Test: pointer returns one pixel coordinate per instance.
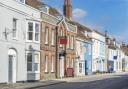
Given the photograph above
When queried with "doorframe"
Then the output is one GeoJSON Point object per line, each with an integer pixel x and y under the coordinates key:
{"type": "Point", "coordinates": [13, 53]}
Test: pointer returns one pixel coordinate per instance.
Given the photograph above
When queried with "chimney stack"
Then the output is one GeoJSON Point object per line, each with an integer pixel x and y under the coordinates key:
{"type": "Point", "coordinates": [68, 9]}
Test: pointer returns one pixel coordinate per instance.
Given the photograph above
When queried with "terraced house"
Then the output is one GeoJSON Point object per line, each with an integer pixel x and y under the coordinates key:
{"type": "Point", "coordinates": [55, 27]}
{"type": "Point", "coordinates": [84, 50]}
{"type": "Point", "coordinates": [19, 42]}
{"type": "Point", "coordinates": [99, 61]}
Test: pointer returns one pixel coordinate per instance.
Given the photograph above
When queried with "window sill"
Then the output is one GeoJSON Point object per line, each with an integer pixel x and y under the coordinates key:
{"type": "Point", "coordinates": [46, 72]}
{"type": "Point", "coordinates": [15, 39]}
{"type": "Point", "coordinates": [31, 41]}
{"type": "Point", "coordinates": [53, 45]}
{"type": "Point", "coordinates": [33, 72]}
{"type": "Point", "coordinates": [46, 44]}
{"type": "Point", "coordinates": [52, 72]}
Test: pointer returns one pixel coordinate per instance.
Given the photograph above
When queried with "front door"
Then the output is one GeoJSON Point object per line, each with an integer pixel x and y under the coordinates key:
{"type": "Point", "coordinates": [11, 66]}
{"type": "Point", "coordinates": [10, 71]}
{"type": "Point", "coordinates": [61, 67]}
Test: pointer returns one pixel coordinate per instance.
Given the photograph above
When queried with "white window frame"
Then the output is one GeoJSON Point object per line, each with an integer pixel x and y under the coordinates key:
{"type": "Point", "coordinates": [46, 35]}
{"type": "Point", "coordinates": [33, 61]}
{"type": "Point", "coordinates": [52, 63]}
{"type": "Point", "coordinates": [46, 64]}
{"type": "Point", "coordinates": [53, 37]}
{"type": "Point", "coordinates": [33, 39]}
{"type": "Point", "coordinates": [21, 1]}
{"type": "Point", "coordinates": [61, 34]}
{"type": "Point", "coordinates": [37, 32]}
{"type": "Point", "coordinates": [14, 27]}
{"type": "Point", "coordinates": [72, 42]}
{"type": "Point", "coordinates": [68, 43]}
{"type": "Point", "coordinates": [29, 62]}
{"type": "Point", "coordinates": [37, 61]}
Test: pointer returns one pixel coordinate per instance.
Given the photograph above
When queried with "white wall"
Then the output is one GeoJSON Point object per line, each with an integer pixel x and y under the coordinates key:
{"type": "Point", "coordinates": [10, 9]}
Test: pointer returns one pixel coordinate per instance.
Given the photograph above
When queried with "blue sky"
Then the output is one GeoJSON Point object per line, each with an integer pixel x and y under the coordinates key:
{"type": "Point", "coordinates": [110, 15]}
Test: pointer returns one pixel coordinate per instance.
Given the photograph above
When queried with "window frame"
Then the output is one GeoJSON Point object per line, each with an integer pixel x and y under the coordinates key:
{"type": "Point", "coordinates": [46, 64]}
{"type": "Point", "coordinates": [37, 32]}
{"type": "Point", "coordinates": [33, 61]}
{"type": "Point", "coordinates": [52, 64]}
{"type": "Point", "coordinates": [53, 37]}
{"type": "Point", "coordinates": [14, 27]}
{"type": "Point", "coordinates": [33, 32]}
{"type": "Point", "coordinates": [72, 42]}
{"type": "Point", "coordinates": [46, 38]}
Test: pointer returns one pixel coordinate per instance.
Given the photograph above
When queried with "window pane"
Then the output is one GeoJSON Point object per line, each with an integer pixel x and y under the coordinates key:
{"type": "Point", "coordinates": [53, 37]}
{"type": "Point", "coordinates": [36, 36]}
{"type": "Point", "coordinates": [46, 63]}
{"type": "Point", "coordinates": [37, 28]}
{"type": "Point", "coordinates": [36, 58]}
{"type": "Point", "coordinates": [52, 64]}
{"type": "Point", "coordinates": [29, 57]}
{"type": "Point", "coordinates": [14, 28]}
{"type": "Point", "coordinates": [30, 31]}
{"type": "Point", "coordinates": [36, 66]}
{"type": "Point", "coordinates": [46, 35]}
{"type": "Point", "coordinates": [36, 32]}
{"type": "Point", "coordinates": [29, 66]}
{"type": "Point", "coordinates": [30, 26]}
{"type": "Point", "coordinates": [30, 35]}
{"type": "Point", "coordinates": [68, 44]}
{"type": "Point", "coordinates": [29, 62]}
{"type": "Point", "coordinates": [22, 1]}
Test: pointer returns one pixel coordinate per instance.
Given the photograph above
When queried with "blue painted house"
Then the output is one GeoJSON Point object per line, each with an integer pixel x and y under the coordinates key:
{"type": "Point", "coordinates": [83, 50]}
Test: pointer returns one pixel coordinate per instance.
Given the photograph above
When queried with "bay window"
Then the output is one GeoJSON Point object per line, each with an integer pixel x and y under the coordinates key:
{"type": "Point", "coordinates": [36, 63]}
{"type": "Point", "coordinates": [29, 62]}
{"type": "Point", "coordinates": [33, 62]}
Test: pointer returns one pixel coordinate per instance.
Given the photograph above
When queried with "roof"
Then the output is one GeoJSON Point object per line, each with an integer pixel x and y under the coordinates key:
{"type": "Point", "coordinates": [81, 31]}
{"type": "Point", "coordinates": [80, 26]}
{"type": "Point", "coordinates": [81, 35]}
{"type": "Point", "coordinates": [111, 46]}
{"type": "Point", "coordinates": [100, 33]}
{"type": "Point", "coordinates": [39, 4]}
{"type": "Point", "coordinates": [125, 49]}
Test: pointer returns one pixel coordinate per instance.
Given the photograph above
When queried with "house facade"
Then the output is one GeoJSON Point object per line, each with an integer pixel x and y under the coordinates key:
{"type": "Point", "coordinates": [54, 27]}
{"type": "Point", "coordinates": [98, 52]}
{"type": "Point", "coordinates": [115, 55]}
{"type": "Point", "coordinates": [19, 42]}
{"type": "Point", "coordinates": [84, 50]}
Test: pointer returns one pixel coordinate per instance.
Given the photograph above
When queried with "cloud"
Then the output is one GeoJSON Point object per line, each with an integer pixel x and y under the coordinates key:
{"type": "Point", "coordinates": [79, 13]}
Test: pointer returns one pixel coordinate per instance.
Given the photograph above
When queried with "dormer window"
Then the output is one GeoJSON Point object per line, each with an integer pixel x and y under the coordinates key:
{"type": "Point", "coordinates": [45, 9]}
{"type": "Point", "coordinates": [23, 1]}
{"type": "Point", "coordinates": [86, 33]}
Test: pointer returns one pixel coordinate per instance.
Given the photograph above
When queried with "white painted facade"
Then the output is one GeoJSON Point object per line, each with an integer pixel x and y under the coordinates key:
{"type": "Point", "coordinates": [80, 60]}
{"type": "Point", "coordinates": [98, 52]}
{"type": "Point", "coordinates": [118, 62]}
{"type": "Point", "coordinates": [14, 46]}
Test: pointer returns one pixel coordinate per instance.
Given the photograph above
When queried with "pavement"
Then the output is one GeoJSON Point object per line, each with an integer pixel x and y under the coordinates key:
{"type": "Point", "coordinates": [67, 83]}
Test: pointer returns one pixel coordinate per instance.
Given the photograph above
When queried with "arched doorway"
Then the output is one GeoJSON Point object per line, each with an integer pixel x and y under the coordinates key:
{"type": "Point", "coordinates": [12, 66]}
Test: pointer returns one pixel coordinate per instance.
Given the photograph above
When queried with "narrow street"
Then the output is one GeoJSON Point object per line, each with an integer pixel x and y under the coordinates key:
{"type": "Point", "coordinates": [105, 82]}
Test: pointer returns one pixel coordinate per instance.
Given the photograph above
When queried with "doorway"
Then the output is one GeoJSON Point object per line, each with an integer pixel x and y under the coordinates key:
{"type": "Point", "coordinates": [11, 66]}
